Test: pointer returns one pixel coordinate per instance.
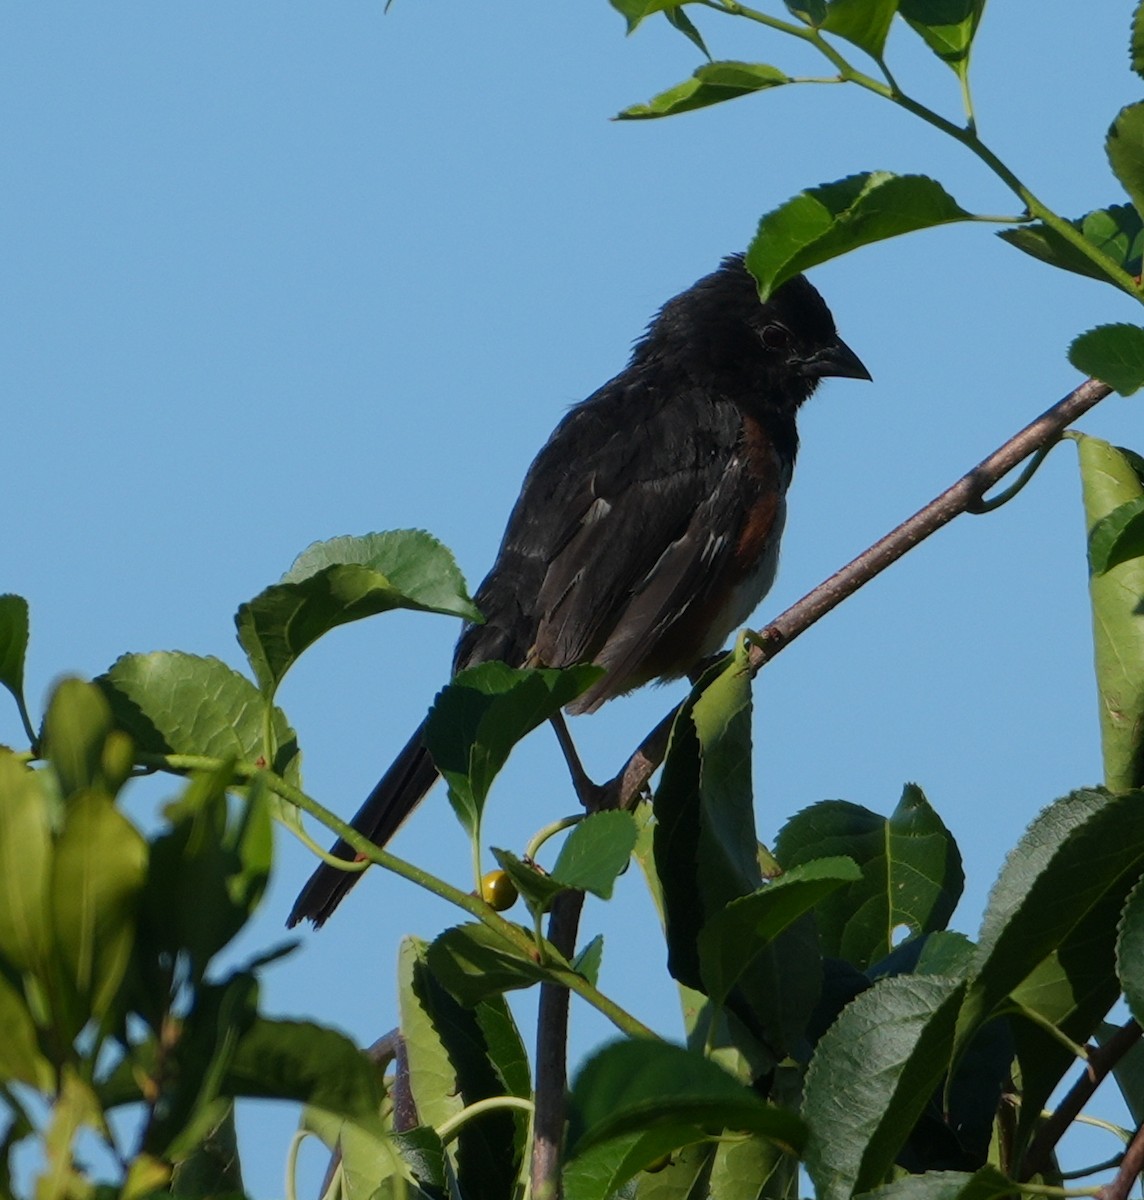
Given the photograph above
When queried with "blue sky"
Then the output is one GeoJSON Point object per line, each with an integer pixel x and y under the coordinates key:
{"type": "Point", "coordinates": [277, 272]}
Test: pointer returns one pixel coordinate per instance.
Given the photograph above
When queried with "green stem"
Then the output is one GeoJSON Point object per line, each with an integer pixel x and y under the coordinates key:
{"type": "Point", "coordinates": [1081, 1172]}
{"type": "Point", "coordinates": [1030, 469]}
{"type": "Point", "coordinates": [26, 721]}
{"type": "Point", "coordinates": [1078, 1051]}
{"type": "Point", "coordinates": [518, 938]}
{"type": "Point", "coordinates": [549, 831]}
{"type": "Point", "coordinates": [450, 1128]}
{"type": "Point", "coordinates": [966, 135]}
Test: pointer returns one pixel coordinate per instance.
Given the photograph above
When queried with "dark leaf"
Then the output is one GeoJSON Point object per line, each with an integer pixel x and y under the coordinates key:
{"type": "Point", "coordinates": [706, 852]}
{"type": "Point", "coordinates": [911, 872]}
{"type": "Point", "coordinates": [1114, 354]}
{"type": "Point", "coordinates": [737, 934]}
{"type": "Point", "coordinates": [208, 871]}
{"type": "Point", "coordinates": [13, 642]}
{"type": "Point", "coordinates": [474, 963]}
{"type": "Point", "coordinates": [986, 1184]}
{"type": "Point", "coordinates": [1074, 853]}
{"type": "Point", "coordinates": [946, 26]}
{"type": "Point", "coordinates": [454, 1063]}
{"type": "Point", "coordinates": [830, 220]}
{"type": "Point", "coordinates": [634, 11]}
{"type": "Point", "coordinates": [1130, 952]}
{"type": "Point", "coordinates": [477, 719]}
{"type": "Point", "coordinates": [600, 1172]}
{"type": "Point", "coordinates": [1117, 232]}
{"type": "Point", "coordinates": [1117, 537]}
{"type": "Point", "coordinates": [635, 1085]}
{"type": "Point", "coordinates": [871, 1077]}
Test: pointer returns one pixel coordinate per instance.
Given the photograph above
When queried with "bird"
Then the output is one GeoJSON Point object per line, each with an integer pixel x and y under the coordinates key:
{"type": "Point", "coordinates": [647, 529]}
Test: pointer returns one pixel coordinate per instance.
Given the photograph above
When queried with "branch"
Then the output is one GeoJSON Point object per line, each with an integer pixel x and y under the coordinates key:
{"type": "Point", "coordinates": [1130, 1167]}
{"type": "Point", "coordinates": [1100, 1061]}
{"type": "Point", "coordinates": [552, 1056]}
{"type": "Point", "coordinates": [963, 496]}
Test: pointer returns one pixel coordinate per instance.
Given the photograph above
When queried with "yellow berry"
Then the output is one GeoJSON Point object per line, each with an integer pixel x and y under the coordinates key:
{"type": "Point", "coordinates": [498, 890]}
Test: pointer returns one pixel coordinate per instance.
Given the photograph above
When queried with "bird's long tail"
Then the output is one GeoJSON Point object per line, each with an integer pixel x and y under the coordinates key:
{"type": "Point", "coordinates": [396, 795]}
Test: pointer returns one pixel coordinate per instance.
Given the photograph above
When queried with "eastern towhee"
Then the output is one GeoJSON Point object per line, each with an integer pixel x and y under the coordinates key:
{"type": "Point", "coordinates": [648, 528]}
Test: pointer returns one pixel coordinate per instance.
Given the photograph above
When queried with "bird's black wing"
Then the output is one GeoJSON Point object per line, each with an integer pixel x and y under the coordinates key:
{"type": "Point", "coordinates": [626, 517]}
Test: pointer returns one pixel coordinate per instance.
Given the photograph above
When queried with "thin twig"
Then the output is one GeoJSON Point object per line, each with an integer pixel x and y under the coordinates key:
{"type": "Point", "coordinates": [1130, 1167]}
{"type": "Point", "coordinates": [961, 497]}
{"type": "Point", "coordinates": [1101, 1060]}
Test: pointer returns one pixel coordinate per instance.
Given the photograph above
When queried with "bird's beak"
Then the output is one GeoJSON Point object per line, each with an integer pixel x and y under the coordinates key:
{"type": "Point", "coordinates": [837, 361]}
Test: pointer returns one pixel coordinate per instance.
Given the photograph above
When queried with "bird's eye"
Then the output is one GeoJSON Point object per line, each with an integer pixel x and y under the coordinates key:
{"type": "Point", "coordinates": [776, 337]}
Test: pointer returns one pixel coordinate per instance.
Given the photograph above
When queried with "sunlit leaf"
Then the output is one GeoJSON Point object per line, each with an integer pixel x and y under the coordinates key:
{"type": "Point", "coordinates": [712, 83]}
{"type": "Point", "coordinates": [830, 220]}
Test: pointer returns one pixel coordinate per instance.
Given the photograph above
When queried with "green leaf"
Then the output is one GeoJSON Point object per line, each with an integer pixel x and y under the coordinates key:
{"type": "Point", "coordinates": [537, 887]}
{"type": "Point", "coordinates": [587, 961]}
{"type": "Point", "coordinates": [811, 12]}
{"type": "Point", "coordinates": [1129, 1073]}
{"type": "Point", "coordinates": [752, 1169]}
{"type": "Point", "coordinates": [1117, 232]}
{"type": "Point", "coordinates": [305, 1062]}
{"type": "Point", "coordinates": [98, 872]}
{"type": "Point", "coordinates": [986, 1184]}
{"type": "Point", "coordinates": [596, 852]}
{"type": "Point", "coordinates": [13, 643]}
{"type": "Point", "coordinates": [735, 936]}
{"type": "Point", "coordinates": [453, 1063]}
{"type": "Point", "coordinates": [25, 867]}
{"type": "Point", "coordinates": [678, 19]}
{"type": "Point", "coordinates": [477, 719]}
{"type": "Point", "coordinates": [1070, 991]}
{"type": "Point", "coordinates": [911, 872]}
{"type": "Point", "coordinates": [1117, 537]}
{"type": "Point", "coordinates": [602, 1170]}
{"type": "Point", "coordinates": [208, 871]}
{"type": "Point", "coordinates": [1137, 47]}
{"type": "Point", "coordinates": [213, 1168]}
{"type": "Point", "coordinates": [1130, 952]}
{"type": "Point", "coordinates": [830, 220]}
{"type": "Point", "coordinates": [940, 953]}
{"type": "Point", "coordinates": [194, 1068]}
{"type": "Point", "coordinates": [1125, 148]}
{"type": "Point", "coordinates": [712, 83]}
{"type": "Point", "coordinates": [173, 703]}
{"type": "Point", "coordinates": [634, 1085]}
{"type": "Point", "coordinates": [21, 1060]}
{"type": "Point", "coordinates": [706, 851]}
{"type": "Point", "coordinates": [865, 23]}
{"type": "Point", "coordinates": [634, 11]}
{"type": "Point", "coordinates": [946, 26]}
{"type": "Point", "coordinates": [342, 580]}
{"type": "Point", "coordinates": [473, 963]}
{"type": "Point", "coordinates": [1109, 481]}
{"type": "Point", "coordinates": [871, 1077]}
{"type": "Point", "coordinates": [1114, 354]}
{"type": "Point", "coordinates": [1074, 853]}
{"type": "Point", "coordinates": [77, 723]}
